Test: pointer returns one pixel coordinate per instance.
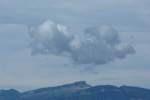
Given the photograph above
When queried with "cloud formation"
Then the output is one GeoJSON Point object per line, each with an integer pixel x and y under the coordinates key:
{"type": "Point", "coordinates": [96, 45]}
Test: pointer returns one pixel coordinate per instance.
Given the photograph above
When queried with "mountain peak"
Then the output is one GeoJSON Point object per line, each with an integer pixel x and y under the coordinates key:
{"type": "Point", "coordinates": [72, 87]}
{"type": "Point", "coordinates": [78, 84]}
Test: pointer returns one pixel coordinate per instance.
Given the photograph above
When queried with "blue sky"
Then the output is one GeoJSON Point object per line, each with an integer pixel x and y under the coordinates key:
{"type": "Point", "coordinates": [20, 70]}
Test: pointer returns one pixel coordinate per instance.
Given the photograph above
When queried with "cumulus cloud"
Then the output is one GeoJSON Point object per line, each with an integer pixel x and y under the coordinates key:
{"type": "Point", "coordinates": [96, 45]}
{"type": "Point", "coordinates": [49, 38]}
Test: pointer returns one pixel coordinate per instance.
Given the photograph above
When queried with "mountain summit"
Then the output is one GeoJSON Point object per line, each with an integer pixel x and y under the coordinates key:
{"type": "Point", "coordinates": [77, 85]}
{"type": "Point", "coordinates": [79, 91]}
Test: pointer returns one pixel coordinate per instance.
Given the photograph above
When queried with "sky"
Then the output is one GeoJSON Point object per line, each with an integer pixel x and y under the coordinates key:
{"type": "Point", "coordinates": [54, 42]}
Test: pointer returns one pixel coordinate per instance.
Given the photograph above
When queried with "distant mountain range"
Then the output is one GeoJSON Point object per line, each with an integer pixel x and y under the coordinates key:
{"type": "Point", "coordinates": [79, 91]}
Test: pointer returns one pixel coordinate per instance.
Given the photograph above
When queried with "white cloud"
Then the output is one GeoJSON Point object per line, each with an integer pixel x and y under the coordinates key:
{"type": "Point", "coordinates": [50, 38]}
{"type": "Point", "coordinates": [97, 45]}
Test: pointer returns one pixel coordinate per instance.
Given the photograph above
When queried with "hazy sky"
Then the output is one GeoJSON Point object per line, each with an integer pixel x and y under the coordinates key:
{"type": "Point", "coordinates": [23, 23]}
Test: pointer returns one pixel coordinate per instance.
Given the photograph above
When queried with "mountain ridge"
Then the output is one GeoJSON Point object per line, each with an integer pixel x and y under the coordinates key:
{"type": "Point", "coordinates": [79, 91]}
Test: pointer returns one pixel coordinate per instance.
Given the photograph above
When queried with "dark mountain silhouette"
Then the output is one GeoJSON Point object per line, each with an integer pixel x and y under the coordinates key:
{"type": "Point", "coordinates": [79, 91]}
{"type": "Point", "coordinates": [9, 94]}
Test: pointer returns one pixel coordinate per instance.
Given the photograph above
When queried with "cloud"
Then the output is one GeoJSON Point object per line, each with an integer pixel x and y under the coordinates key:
{"type": "Point", "coordinates": [50, 38]}
{"type": "Point", "coordinates": [96, 45]}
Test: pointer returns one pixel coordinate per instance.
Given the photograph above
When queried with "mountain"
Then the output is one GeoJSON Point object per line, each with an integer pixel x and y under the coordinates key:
{"type": "Point", "coordinates": [9, 94]}
{"type": "Point", "coordinates": [79, 91]}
